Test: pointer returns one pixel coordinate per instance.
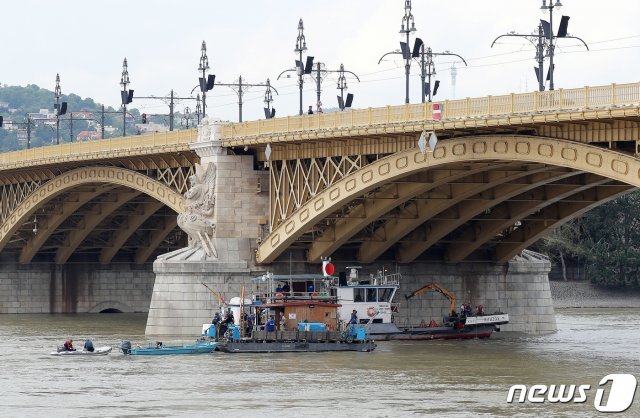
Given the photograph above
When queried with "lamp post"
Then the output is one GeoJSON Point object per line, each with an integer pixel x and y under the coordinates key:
{"type": "Point", "coordinates": [198, 108]}
{"type": "Point", "coordinates": [550, 7]}
{"type": "Point", "coordinates": [126, 96]}
{"type": "Point", "coordinates": [301, 68]}
{"type": "Point", "coordinates": [301, 46]}
{"type": "Point", "coordinates": [427, 65]}
{"type": "Point", "coordinates": [203, 68]}
{"type": "Point", "coordinates": [57, 94]}
{"type": "Point", "coordinates": [428, 68]}
{"type": "Point", "coordinates": [268, 98]}
{"type": "Point", "coordinates": [186, 118]}
{"type": "Point", "coordinates": [539, 40]}
{"type": "Point", "coordinates": [408, 26]}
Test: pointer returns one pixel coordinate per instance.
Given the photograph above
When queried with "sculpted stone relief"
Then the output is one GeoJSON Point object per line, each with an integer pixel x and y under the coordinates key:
{"type": "Point", "coordinates": [197, 219]}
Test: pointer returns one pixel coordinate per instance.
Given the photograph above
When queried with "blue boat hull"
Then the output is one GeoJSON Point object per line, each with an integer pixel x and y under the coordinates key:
{"type": "Point", "coordinates": [163, 350]}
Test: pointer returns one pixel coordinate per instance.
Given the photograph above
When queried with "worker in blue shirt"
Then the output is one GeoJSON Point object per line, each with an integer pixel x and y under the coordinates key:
{"type": "Point", "coordinates": [88, 345]}
{"type": "Point", "coordinates": [271, 325]}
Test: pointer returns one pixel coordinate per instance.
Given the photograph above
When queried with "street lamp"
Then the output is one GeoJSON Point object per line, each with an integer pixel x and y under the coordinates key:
{"type": "Point", "coordinates": [550, 7]}
{"type": "Point", "coordinates": [269, 112]}
{"type": "Point", "coordinates": [125, 95]}
{"type": "Point", "coordinates": [407, 27]}
{"type": "Point", "coordinates": [545, 32]}
{"type": "Point", "coordinates": [301, 46]}
{"type": "Point", "coordinates": [57, 93]}
{"type": "Point", "coordinates": [301, 70]}
{"type": "Point", "coordinates": [198, 108]}
{"type": "Point", "coordinates": [206, 82]}
{"type": "Point", "coordinates": [186, 118]}
{"type": "Point", "coordinates": [60, 110]}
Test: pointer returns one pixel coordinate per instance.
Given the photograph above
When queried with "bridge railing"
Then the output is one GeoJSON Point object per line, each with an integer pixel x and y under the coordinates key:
{"type": "Point", "coordinates": [130, 144]}
{"type": "Point", "coordinates": [504, 105]}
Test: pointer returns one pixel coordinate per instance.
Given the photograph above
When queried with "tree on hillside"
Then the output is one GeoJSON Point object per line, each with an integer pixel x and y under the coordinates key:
{"type": "Point", "coordinates": [606, 240]}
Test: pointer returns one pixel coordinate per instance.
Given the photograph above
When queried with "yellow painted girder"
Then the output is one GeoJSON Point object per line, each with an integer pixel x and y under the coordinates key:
{"type": "Point", "coordinates": [507, 148]}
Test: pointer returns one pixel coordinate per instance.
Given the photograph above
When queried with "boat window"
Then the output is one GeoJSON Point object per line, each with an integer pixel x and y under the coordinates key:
{"type": "Point", "coordinates": [372, 294]}
{"type": "Point", "coordinates": [385, 293]}
{"type": "Point", "coordinates": [358, 295]}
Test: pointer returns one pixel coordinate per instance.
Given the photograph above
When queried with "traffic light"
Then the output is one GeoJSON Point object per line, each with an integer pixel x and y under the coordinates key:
{"type": "Point", "coordinates": [144, 118]}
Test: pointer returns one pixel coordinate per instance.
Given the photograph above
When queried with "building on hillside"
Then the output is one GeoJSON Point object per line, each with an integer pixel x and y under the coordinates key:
{"type": "Point", "coordinates": [87, 136]}
{"type": "Point", "coordinates": [151, 127]}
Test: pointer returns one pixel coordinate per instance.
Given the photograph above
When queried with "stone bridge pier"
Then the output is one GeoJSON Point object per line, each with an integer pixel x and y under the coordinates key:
{"type": "Point", "coordinates": [180, 303]}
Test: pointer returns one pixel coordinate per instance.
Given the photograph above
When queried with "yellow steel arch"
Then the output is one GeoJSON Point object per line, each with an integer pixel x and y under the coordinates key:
{"type": "Point", "coordinates": [87, 175]}
{"type": "Point", "coordinates": [531, 149]}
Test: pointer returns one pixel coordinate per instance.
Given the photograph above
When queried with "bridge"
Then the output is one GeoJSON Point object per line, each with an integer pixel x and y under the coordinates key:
{"type": "Point", "coordinates": [354, 185]}
{"type": "Point", "coordinates": [507, 169]}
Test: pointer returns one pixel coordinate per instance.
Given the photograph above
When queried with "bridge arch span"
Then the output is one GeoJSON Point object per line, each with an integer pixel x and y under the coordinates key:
{"type": "Point", "coordinates": [498, 149]}
{"type": "Point", "coordinates": [69, 180]}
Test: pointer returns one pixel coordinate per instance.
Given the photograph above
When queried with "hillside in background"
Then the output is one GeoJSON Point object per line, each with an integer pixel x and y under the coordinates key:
{"type": "Point", "coordinates": [82, 121]}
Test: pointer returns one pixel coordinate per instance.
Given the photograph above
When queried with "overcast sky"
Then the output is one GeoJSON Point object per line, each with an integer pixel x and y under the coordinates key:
{"type": "Point", "coordinates": [86, 42]}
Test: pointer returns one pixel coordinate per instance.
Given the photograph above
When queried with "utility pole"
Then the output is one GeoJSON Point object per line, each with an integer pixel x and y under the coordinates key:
{"type": "Point", "coordinates": [240, 87]}
{"type": "Point", "coordinates": [71, 127]}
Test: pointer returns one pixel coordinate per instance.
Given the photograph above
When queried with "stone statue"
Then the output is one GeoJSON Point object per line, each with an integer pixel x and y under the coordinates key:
{"type": "Point", "coordinates": [204, 130]}
{"type": "Point", "coordinates": [197, 219]}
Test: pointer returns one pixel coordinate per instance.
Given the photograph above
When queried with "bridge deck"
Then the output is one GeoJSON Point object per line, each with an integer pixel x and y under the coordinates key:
{"type": "Point", "coordinates": [615, 100]}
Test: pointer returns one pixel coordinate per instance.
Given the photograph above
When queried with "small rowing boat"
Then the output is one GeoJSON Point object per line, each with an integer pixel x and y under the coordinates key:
{"type": "Point", "coordinates": [99, 351]}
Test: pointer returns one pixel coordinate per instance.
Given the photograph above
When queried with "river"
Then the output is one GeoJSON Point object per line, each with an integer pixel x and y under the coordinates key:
{"type": "Point", "coordinates": [450, 378]}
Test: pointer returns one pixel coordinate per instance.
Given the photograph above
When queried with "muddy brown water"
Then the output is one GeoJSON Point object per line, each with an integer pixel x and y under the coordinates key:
{"type": "Point", "coordinates": [448, 378]}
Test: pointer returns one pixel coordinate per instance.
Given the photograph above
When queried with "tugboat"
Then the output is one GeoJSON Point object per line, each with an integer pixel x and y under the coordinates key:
{"type": "Point", "coordinates": [325, 304]}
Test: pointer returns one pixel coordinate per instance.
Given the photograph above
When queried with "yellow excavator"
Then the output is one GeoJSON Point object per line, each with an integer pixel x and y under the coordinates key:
{"type": "Point", "coordinates": [433, 287]}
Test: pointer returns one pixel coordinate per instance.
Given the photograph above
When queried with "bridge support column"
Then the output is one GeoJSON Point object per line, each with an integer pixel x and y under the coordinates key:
{"type": "Point", "coordinates": [180, 304]}
{"type": "Point", "coordinates": [519, 288]}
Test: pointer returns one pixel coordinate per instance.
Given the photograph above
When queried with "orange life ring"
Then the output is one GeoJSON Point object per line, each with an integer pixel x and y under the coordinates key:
{"type": "Point", "coordinates": [371, 311]}
{"type": "Point", "coordinates": [315, 294]}
{"type": "Point", "coordinates": [279, 294]}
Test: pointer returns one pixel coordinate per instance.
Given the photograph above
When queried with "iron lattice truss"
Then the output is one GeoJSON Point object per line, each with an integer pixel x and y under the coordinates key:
{"type": "Point", "coordinates": [294, 182]}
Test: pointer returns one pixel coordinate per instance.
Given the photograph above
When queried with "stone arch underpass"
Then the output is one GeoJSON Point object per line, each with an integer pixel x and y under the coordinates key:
{"type": "Point", "coordinates": [92, 196]}
{"type": "Point", "coordinates": [474, 198]}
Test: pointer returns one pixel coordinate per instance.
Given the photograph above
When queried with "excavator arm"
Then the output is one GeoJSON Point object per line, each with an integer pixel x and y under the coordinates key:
{"type": "Point", "coordinates": [433, 287]}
